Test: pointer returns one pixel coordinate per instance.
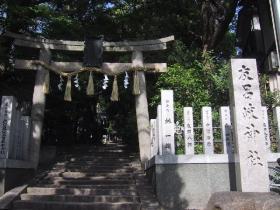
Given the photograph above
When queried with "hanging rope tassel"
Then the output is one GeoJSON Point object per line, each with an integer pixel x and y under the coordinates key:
{"type": "Point", "coordinates": [136, 84]}
{"type": "Point", "coordinates": [115, 90]}
{"type": "Point", "coordinates": [46, 85]}
{"type": "Point", "coordinates": [90, 86]}
{"type": "Point", "coordinates": [67, 94]}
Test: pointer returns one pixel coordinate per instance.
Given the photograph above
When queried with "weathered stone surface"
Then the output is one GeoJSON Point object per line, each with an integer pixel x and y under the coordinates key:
{"type": "Point", "coordinates": [159, 129]}
{"type": "Point", "coordinates": [26, 126]}
{"type": "Point", "coordinates": [266, 129]}
{"type": "Point", "coordinates": [168, 126]}
{"type": "Point", "coordinates": [188, 131]}
{"type": "Point", "coordinates": [7, 121]}
{"type": "Point", "coordinates": [276, 116]}
{"type": "Point", "coordinates": [207, 133]}
{"type": "Point", "coordinates": [248, 130]}
{"type": "Point", "coordinates": [38, 108]}
{"type": "Point", "coordinates": [246, 201]}
{"type": "Point", "coordinates": [142, 112]}
{"type": "Point", "coordinates": [17, 147]}
{"type": "Point", "coordinates": [100, 185]}
{"type": "Point", "coordinates": [189, 186]}
{"type": "Point", "coordinates": [154, 142]}
{"type": "Point", "coordinates": [225, 123]}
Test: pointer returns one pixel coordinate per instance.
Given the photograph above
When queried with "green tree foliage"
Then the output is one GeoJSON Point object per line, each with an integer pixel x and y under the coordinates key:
{"type": "Point", "coordinates": [196, 80]}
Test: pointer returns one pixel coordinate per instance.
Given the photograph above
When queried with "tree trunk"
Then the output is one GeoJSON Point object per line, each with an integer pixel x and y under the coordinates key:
{"type": "Point", "coordinates": [216, 15]}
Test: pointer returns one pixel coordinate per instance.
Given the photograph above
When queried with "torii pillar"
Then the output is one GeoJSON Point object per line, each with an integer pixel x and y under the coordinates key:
{"type": "Point", "coordinates": [38, 109]}
{"type": "Point", "coordinates": [142, 113]}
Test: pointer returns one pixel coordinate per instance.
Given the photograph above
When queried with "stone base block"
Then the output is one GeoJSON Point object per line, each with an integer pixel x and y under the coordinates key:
{"type": "Point", "coordinates": [188, 181]}
{"type": "Point", "coordinates": [244, 201]}
{"type": "Point", "coordinates": [189, 186]}
{"type": "Point", "coordinates": [14, 173]}
{"type": "Point", "coordinates": [13, 177]}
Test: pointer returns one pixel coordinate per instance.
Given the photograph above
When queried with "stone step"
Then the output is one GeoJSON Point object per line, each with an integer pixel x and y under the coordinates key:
{"type": "Point", "coordinates": [44, 205]}
{"type": "Point", "coordinates": [151, 206]}
{"type": "Point", "coordinates": [101, 154]}
{"type": "Point", "coordinates": [79, 198]}
{"type": "Point", "coordinates": [94, 148]}
{"type": "Point", "coordinates": [91, 186]}
{"type": "Point", "coordinates": [96, 159]}
{"type": "Point", "coordinates": [80, 176]}
{"type": "Point", "coordinates": [59, 181]}
{"type": "Point", "coordinates": [98, 167]}
{"type": "Point", "coordinates": [94, 170]}
{"type": "Point", "coordinates": [100, 159]}
{"type": "Point", "coordinates": [90, 147]}
{"type": "Point", "coordinates": [89, 177]}
{"type": "Point", "coordinates": [80, 191]}
{"type": "Point", "coordinates": [107, 164]}
{"type": "Point", "coordinates": [97, 162]}
{"type": "Point", "coordinates": [98, 153]}
{"type": "Point", "coordinates": [91, 174]}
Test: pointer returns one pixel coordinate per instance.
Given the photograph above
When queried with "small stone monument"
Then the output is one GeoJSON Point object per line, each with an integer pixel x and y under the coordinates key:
{"type": "Point", "coordinates": [276, 117]}
{"type": "Point", "coordinates": [168, 126]}
{"type": "Point", "coordinates": [226, 130]}
{"type": "Point", "coordinates": [248, 130]}
{"type": "Point", "coordinates": [159, 129]}
{"type": "Point", "coordinates": [154, 143]}
{"type": "Point", "coordinates": [207, 130]}
{"type": "Point", "coordinates": [266, 129]}
{"type": "Point", "coordinates": [188, 131]}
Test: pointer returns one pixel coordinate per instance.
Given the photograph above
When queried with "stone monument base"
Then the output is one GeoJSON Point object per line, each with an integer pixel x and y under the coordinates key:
{"type": "Point", "coordinates": [14, 173]}
{"type": "Point", "coordinates": [244, 200]}
{"type": "Point", "coordinates": [188, 181]}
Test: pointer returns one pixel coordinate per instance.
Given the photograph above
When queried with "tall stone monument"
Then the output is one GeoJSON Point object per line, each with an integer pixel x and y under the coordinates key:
{"type": "Point", "coordinates": [8, 109]}
{"type": "Point", "coordinates": [248, 130]}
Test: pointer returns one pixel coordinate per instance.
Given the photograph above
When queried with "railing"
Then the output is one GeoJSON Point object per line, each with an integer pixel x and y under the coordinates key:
{"type": "Point", "coordinates": [205, 138]}
{"type": "Point", "coordinates": [201, 142]}
{"type": "Point", "coordinates": [198, 141]}
{"type": "Point", "coordinates": [195, 138]}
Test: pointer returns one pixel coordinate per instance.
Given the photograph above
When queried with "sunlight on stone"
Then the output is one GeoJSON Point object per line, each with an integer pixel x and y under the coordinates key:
{"type": "Point", "coordinates": [36, 132]}
{"type": "Point", "coordinates": [38, 98]}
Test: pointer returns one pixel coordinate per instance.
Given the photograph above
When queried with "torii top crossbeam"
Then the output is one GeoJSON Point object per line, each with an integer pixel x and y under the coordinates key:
{"type": "Point", "coordinates": [108, 68]}
{"type": "Point", "coordinates": [124, 46]}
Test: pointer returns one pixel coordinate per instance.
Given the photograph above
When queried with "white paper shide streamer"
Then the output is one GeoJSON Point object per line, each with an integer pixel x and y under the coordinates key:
{"type": "Point", "coordinates": [76, 82]}
{"type": "Point", "coordinates": [105, 82]}
{"type": "Point", "coordinates": [126, 81]}
{"type": "Point", "coordinates": [61, 80]}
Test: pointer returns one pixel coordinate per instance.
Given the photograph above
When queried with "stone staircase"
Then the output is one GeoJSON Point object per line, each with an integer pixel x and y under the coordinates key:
{"type": "Point", "coordinates": [89, 178]}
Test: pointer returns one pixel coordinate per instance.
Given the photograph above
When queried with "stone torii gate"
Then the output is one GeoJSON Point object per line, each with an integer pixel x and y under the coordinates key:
{"type": "Point", "coordinates": [46, 46]}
